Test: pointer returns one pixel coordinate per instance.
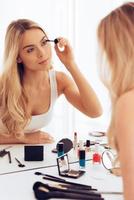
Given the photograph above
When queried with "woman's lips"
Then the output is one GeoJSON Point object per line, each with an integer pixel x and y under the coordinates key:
{"type": "Point", "coordinates": [42, 62]}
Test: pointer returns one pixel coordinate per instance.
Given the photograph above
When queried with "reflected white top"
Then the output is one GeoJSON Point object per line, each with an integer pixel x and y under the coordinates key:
{"type": "Point", "coordinates": [39, 121]}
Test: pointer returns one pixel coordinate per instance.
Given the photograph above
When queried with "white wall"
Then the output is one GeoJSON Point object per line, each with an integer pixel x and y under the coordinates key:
{"type": "Point", "coordinates": [77, 20]}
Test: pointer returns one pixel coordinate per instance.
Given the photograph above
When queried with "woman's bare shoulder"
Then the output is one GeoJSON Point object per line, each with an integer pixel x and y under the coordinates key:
{"type": "Point", "coordinates": [61, 75]}
{"type": "Point", "coordinates": [124, 109]}
{"type": "Point", "coordinates": [124, 119]}
{"type": "Point", "coordinates": [62, 81]}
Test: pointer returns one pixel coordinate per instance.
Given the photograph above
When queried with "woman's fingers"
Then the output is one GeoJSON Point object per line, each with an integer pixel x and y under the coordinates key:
{"type": "Point", "coordinates": [38, 137]}
{"type": "Point", "coordinates": [46, 138]}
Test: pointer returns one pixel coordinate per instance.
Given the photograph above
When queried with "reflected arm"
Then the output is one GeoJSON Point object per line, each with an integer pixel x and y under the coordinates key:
{"type": "Point", "coordinates": [38, 137]}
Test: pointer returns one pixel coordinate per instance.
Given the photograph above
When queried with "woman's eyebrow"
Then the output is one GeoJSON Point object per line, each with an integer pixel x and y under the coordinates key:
{"type": "Point", "coordinates": [44, 37]}
{"type": "Point", "coordinates": [31, 45]}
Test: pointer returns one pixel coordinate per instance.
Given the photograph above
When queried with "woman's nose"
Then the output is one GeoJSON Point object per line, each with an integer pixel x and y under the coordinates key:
{"type": "Point", "coordinates": [40, 52]}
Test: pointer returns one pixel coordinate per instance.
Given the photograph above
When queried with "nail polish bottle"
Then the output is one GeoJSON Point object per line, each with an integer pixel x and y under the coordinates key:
{"type": "Point", "coordinates": [87, 145]}
{"type": "Point", "coordinates": [96, 155]}
{"type": "Point", "coordinates": [60, 148]}
{"type": "Point", "coordinates": [82, 160]}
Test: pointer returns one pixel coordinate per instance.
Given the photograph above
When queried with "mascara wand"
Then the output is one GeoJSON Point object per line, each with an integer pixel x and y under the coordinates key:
{"type": "Point", "coordinates": [55, 41]}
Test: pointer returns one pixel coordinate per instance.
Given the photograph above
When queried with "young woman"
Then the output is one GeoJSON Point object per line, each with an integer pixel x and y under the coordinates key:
{"type": "Point", "coordinates": [116, 36]}
{"type": "Point", "coordinates": [29, 85]}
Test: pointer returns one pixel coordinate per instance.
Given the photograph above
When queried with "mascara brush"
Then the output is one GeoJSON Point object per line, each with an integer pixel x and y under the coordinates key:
{"type": "Point", "coordinates": [55, 41]}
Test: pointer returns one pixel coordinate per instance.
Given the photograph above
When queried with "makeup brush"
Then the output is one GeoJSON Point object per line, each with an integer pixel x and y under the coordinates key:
{"type": "Point", "coordinates": [49, 176]}
{"type": "Point", "coordinates": [61, 180]}
{"type": "Point", "coordinates": [19, 163]}
{"type": "Point", "coordinates": [72, 190]}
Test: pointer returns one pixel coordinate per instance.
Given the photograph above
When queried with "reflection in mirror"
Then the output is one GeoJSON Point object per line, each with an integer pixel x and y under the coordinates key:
{"type": "Point", "coordinates": [97, 133]}
{"type": "Point", "coordinates": [64, 164]}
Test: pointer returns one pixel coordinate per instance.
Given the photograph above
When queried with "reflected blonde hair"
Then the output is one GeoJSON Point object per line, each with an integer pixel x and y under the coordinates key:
{"type": "Point", "coordinates": [116, 37]}
{"type": "Point", "coordinates": [13, 98]}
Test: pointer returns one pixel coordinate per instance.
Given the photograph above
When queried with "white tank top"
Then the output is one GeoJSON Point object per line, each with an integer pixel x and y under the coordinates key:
{"type": "Point", "coordinates": [39, 121]}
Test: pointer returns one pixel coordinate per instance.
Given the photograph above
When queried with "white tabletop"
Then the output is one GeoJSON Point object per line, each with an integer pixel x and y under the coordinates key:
{"type": "Point", "coordinates": [17, 151]}
{"type": "Point", "coordinates": [18, 186]}
{"type": "Point", "coordinates": [16, 183]}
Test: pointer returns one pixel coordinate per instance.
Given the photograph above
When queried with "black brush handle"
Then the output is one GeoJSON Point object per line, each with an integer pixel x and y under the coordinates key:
{"type": "Point", "coordinates": [64, 195]}
{"type": "Point", "coordinates": [71, 184]}
{"type": "Point", "coordinates": [72, 190]}
{"type": "Point", "coordinates": [41, 191]}
{"type": "Point", "coordinates": [67, 182]}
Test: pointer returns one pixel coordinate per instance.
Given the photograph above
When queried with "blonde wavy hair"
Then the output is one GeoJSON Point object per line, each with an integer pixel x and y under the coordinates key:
{"type": "Point", "coordinates": [14, 111]}
{"type": "Point", "coordinates": [116, 38]}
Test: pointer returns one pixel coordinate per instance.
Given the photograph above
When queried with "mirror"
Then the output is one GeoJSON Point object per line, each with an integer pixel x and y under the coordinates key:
{"type": "Point", "coordinates": [108, 159]}
{"type": "Point", "coordinates": [97, 133]}
{"type": "Point", "coordinates": [64, 168]}
{"type": "Point", "coordinates": [63, 163]}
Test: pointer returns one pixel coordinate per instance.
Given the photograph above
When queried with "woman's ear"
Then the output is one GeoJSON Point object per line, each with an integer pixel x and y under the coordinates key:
{"type": "Point", "coordinates": [19, 60]}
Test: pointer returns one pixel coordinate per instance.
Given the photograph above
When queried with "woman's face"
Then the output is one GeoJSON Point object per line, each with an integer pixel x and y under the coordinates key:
{"type": "Point", "coordinates": [34, 51]}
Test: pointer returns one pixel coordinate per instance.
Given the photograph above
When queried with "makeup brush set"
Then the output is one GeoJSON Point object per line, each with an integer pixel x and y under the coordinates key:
{"type": "Point", "coordinates": [65, 190]}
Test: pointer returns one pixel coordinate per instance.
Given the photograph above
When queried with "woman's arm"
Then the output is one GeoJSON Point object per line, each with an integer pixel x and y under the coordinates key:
{"type": "Point", "coordinates": [79, 94]}
{"type": "Point", "coordinates": [9, 140]}
{"type": "Point", "coordinates": [124, 130]}
{"type": "Point", "coordinates": [38, 137]}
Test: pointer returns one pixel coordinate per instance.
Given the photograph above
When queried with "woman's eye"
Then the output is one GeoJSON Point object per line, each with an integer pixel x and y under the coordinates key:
{"type": "Point", "coordinates": [44, 42]}
{"type": "Point", "coordinates": [30, 50]}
